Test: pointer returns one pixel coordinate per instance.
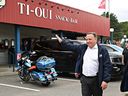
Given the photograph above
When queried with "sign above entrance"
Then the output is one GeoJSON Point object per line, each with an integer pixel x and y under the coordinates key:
{"type": "Point", "coordinates": [50, 15]}
{"type": "Point", "coordinates": [41, 12]}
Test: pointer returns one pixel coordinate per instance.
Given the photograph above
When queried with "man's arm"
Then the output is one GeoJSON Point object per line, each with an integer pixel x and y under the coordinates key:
{"type": "Point", "coordinates": [58, 38]}
{"type": "Point", "coordinates": [107, 70]}
{"type": "Point", "coordinates": [67, 44]}
{"type": "Point", "coordinates": [107, 67]}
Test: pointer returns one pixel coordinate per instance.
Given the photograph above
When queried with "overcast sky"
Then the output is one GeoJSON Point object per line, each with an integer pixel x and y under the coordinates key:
{"type": "Point", "coordinates": [118, 7]}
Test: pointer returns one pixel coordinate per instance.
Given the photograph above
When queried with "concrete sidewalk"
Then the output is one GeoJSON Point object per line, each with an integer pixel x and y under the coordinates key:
{"type": "Point", "coordinates": [6, 70]}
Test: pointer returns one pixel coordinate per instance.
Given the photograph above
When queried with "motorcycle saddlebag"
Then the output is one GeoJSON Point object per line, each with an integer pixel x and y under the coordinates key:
{"type": "Point", "coordinates": [45, 62]}
{"type": "Point", "coordinates": [38, 76]}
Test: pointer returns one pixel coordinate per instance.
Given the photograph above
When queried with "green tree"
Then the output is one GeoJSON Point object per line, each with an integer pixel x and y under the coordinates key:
{"type": "Point", "coordinates": [114, 24]}
{"type": "Point", "coordinates": [124, 30]}
{"type": "Point", "coordinates": [124, 27]}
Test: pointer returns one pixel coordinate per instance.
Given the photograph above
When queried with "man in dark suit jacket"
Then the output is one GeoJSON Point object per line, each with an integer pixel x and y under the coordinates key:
{"type": "Point", "coordinates": [93, 65]}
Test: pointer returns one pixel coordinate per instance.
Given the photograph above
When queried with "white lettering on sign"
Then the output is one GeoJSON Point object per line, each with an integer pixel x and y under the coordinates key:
{"type": "Point", "coordinates": [66, 19]}
{"type": "Point", "coordinates": [40, 12]}
{"type": "Point", "coordinates": [21, 5]}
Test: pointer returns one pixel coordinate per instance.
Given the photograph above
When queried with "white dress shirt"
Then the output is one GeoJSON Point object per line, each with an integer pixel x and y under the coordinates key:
{"type": "Point", "coordinates": [90, 61]}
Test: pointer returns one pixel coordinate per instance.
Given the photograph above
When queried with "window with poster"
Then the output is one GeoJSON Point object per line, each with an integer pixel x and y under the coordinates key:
{"type": "Point", "coordinates": [6, 43]}
{"type": "Point", "coordinates": [12, 43]}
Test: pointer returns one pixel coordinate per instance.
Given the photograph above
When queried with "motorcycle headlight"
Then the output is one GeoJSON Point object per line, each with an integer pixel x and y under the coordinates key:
{"type": "Point", "coordinates": [23, 58]}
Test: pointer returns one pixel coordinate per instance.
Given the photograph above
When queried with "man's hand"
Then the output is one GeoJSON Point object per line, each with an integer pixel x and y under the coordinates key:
{"type": "Point", "coordinates": [77, 75]}
{"type": "Point", "coordinates": [59, 39]}
{"type": "Point", "coordinates": [104, 85]}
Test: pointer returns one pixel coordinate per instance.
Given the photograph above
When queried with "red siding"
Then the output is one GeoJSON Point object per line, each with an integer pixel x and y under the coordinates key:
{"type": "Point", "coordinates": [10, 13]}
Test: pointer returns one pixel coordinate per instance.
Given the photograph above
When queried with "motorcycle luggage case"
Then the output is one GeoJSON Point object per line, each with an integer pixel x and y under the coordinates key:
{"type": "Point", "coordinates": [45, 62]}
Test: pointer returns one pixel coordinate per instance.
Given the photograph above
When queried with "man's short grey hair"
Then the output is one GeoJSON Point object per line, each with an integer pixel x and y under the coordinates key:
{"type": "Point", "coordinates": [93, 33]}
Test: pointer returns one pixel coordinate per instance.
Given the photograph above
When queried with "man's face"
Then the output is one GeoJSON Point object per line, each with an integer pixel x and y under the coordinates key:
{"type": "Point", "coordinates": [91, 40]}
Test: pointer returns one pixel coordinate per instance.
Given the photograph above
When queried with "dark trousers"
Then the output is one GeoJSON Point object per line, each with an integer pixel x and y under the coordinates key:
{"type": "Point", "coordinates": [124, 81]}
{"type": "Point", "coordinates": [90, 86]}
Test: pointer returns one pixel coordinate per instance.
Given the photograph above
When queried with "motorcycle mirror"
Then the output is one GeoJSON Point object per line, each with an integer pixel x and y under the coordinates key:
{"type": "Point", "coordinates": [33, 52]}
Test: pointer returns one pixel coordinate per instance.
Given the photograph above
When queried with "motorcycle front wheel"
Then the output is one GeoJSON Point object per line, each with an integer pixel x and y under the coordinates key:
{"type": "Point", "coordinates": [24, 75]}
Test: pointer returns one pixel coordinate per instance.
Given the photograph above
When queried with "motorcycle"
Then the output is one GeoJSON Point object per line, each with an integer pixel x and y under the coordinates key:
{"type": "Point", "coordinates": [42, 70]}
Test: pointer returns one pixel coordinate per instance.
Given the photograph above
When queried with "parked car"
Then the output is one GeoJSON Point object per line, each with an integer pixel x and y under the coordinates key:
{"type": "Point", "coordinates": [66, 59]}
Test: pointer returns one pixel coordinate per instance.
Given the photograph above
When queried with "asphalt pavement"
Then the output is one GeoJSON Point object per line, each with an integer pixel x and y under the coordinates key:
{"type": "Point", "coordinates": [112, 90]}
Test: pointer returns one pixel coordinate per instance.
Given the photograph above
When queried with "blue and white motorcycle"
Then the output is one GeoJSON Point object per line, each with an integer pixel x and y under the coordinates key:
{"type": "Point", "coordinates": [42, 70]}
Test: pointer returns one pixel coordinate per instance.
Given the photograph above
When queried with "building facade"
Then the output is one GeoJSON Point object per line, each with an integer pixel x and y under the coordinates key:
{"type": "Point", "coordinates": [33, 18]}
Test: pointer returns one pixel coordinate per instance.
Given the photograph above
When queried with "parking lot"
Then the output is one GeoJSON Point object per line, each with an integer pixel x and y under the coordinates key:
{"type": "Point", "coordinates": [14, 86]}
{"type": "Point", "coordinates": [64, 86]}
